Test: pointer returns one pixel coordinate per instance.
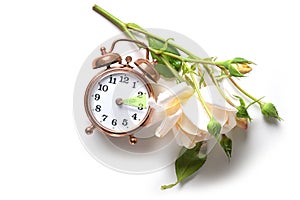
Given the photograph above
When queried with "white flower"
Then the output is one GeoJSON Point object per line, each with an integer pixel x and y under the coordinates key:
{"type": "Point", "coordinates": [183, 113]}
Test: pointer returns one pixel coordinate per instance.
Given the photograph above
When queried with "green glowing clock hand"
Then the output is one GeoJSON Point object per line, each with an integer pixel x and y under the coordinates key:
{"type": "Point", "coordinates": [139, 101]}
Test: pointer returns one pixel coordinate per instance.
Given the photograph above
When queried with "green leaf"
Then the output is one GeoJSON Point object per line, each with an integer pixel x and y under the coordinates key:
{"type": "Point", "coordinates": [159, 45]}
{"type": "Point", "coordinates": [190, 161]}
{"type": "Point", "coordinates": [214, 128]}
{"type": "Point", "coordinates": [226, 144]}
{"type": "Point", "coordinates": [239, 60]}
{"type": "Point", "coordinates": [164, 71]}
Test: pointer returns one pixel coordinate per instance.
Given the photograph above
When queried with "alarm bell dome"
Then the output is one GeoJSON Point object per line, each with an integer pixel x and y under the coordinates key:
{"type": "Point", "coordinates": [106, 60]}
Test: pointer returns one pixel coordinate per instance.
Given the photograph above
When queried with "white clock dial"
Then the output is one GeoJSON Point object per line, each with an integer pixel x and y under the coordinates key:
{"type": "Point", "coordinates": [117, 101]}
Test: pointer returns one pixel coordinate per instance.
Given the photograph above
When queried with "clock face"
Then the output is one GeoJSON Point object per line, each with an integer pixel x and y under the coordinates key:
{"type": "Point", "coordinates": [117, 101]}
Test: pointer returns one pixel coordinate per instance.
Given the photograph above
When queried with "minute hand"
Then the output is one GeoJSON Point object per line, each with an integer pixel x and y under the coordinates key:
{"type": "Point", "coordinates": [137, 101]}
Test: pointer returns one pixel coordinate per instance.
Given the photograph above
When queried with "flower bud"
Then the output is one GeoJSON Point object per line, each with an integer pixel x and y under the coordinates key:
{"type": "Point", "coordinates": [244, 68]}
{"type": "Point", "coordinates": [269, 110]}
{"type": "Point", "coordinates": [214, 128]}
{"type": "Point", "coordinates": [242, 123]}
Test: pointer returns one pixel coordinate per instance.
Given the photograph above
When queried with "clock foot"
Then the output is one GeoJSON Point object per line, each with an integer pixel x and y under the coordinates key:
{"type": "Point", "coordinates": [132, 140]}
{"type": "Point", "coordinates": [89, 129]}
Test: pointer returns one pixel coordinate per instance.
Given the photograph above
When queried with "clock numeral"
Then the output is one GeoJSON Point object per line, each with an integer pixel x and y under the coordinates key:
{"type": "Point", "coordinates": [141, 106]}
{"type": "Point", "coordinates": [124, 79]}
{"type": "Point", "coordinates": [134, 83]}
{"type": "Point", "coordinates": [104, 117]}
{"type": "Point", "coordinates": [114, 122]}
{"type": "Point", "coordinates": [134, 116]}
{"type": "Point", "coordinates": [140, 94]}
{"type": "Point", "coordinates": [125, 122]}
{"type": "Point", "coordinates": [103, 88]}
{"type": "Point", "coordinates": [97, 97]}
{"type": "Point", "coordinates": [112, 80]}
{"type": "Point", "coordinates": [98, 108]}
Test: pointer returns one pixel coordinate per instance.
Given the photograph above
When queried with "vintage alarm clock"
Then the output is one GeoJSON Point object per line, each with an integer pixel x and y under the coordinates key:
{"type": "Point", "coordinates": [116, 99]}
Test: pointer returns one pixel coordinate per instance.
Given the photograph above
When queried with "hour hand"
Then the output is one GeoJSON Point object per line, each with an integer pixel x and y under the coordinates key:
{"type": "Point", "coordinates": [137, 101]}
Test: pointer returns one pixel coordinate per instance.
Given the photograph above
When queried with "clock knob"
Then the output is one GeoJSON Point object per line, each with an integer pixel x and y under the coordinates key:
{"type": "Point", "coordinates": [106, 59]}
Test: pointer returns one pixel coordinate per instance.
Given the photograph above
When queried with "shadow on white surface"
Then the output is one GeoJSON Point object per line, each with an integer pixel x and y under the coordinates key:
{"type": "Point", "coordinates": [217, 166]}
{"type": "Point", "coordinates": [218, 169]}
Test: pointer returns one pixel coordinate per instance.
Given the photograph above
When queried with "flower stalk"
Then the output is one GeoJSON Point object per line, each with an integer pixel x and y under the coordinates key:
{"type": "Point", "coordinates": [244, 91]}
{"type": "Point", "coordinates": [200, 96]}
{"type": "Point", "coordinates": [127, 29]}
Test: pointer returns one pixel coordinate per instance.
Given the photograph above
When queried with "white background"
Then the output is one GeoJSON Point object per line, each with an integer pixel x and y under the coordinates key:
{"type": "Point", "coordinates": [43, 45]}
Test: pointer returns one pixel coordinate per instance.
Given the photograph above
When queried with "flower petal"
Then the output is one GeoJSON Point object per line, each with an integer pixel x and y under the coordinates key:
{"type": "Point", "coordinates": [157, 114]}
{"type": "Point", "coordinates": [188, 127]}
{"type": "Point", "coordinates": [183, 139]}
{"type": "Point", "coordinates": [230, 123]}
{"type": "Point", "coordinates": [219, 114]}
{"type": "Point", "coordinates": [171, 99]}
{"type": "Point", "coordinates": [225, 117]}
{"type": "Point", "coordinates": [167, 124]}
{"type": "Point", "coordinates": [195, 112]}
{"type": "Point", "coordinates": [213, 97]}
{"type": "Point", "coordinates": [181, 92]}
{"type": "Point", "coordinates": [187, 140]}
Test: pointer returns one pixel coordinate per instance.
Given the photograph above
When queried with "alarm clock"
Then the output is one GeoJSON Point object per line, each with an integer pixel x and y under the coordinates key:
{"type": "Point", "coordinates": [116, 98]}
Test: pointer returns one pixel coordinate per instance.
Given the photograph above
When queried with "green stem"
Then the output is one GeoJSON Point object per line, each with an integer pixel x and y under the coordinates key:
{"type": "Point", "coordinates": [193, 58]}
{"type": "Point", "coordinates": [160, 39]}
{"type": "Point", "coordinates": [117, 22]}
{"type": "Point", "coordinates": [244, 91]}
{"type": "Point", "coordinates": [163, 187]}
{"type": "Point", "coordinates": [125, 27]}
{"type": "Point", "coordinates": [121, 25]}
{"type": "Point", "coordinates": [200, 96]}
{"type": "Point", "coordinates": [213, 78]}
